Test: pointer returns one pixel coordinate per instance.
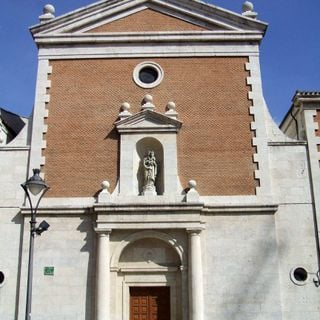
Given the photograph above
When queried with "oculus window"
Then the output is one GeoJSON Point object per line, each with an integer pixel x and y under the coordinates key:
{"type": "Point", "coordinates": [148, 74]}
{"type": "Point", "coordinates": [299, 276]}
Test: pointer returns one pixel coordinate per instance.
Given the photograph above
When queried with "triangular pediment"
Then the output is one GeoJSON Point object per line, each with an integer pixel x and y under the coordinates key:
{"type": "Point", "coordinates": [148, 121]}
{"type": "Point", "coordinates": [148, 20]}
{"type": "Point", "coordinates": [125, 16]}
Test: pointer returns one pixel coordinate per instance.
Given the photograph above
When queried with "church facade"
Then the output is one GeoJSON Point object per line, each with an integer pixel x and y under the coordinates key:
{"type": "Point", "coordinates": [173, 194]}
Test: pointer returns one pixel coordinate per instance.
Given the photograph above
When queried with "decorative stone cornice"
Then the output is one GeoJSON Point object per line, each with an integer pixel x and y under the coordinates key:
{"type": "Point", "coordinates": [307, 100]}
{"type": "Point", "coordinates": [195, 12]}
{"type": "Point", "coordinates": [241, 209]}
{"type": "Point", "coordinates": [103, 231]}
{"type": "Point", "coordinates": [147, 208]}
{"type": "Point", "coordinates": [287, 143]}
{"type": "Point", "coordinates": [14, 148]}
{"type": "Point", "coordinates": [159, 37]}
{"type": "Point", "coordinates": [59, 210]}
{"type": "Point", "coordinates": [148, 121]}
{"type": "Point", "coordinates": [154, 208]}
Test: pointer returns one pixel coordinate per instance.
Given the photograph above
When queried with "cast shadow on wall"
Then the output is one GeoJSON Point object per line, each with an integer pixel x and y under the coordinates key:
{"type": "Point", "coordinates": [89, 247]}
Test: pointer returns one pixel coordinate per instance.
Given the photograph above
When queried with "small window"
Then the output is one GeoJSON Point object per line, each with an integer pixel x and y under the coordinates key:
{"type": "Point", "coordinates": [148, 74]}
{"type": "Point", "coordinates": [299, 276]}
{"type": "Point", "coordinates": [2, 278]}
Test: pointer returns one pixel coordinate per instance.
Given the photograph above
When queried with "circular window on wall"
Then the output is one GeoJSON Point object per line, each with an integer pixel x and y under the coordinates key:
{"type": "Point", "coordinates": [2, 278]}
{"type": "Point", "coordinates": [299, 276]}
{"type": "Point", "coordinates": [147, 74]}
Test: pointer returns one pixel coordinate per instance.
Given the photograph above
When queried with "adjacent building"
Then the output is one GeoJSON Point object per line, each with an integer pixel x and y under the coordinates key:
{"type": "Point", "coordinates": [173, 194]}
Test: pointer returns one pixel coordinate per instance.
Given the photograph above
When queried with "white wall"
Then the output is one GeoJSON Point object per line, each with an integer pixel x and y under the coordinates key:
{"type": "Point", "coordinates": [295, 230]}
{"type": "Point", "coordinates": [69, 247]}
{"type": "Point", "coordinates": [13, 167]}
{"type": "Point", "coordinates": [241, 267]}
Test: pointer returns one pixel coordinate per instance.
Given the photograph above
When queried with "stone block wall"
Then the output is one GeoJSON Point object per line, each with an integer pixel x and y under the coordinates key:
{"type": "Point", "coordinates": [241, 267]}
{"type": "Point", "coordinates": [10, 246]}
{"type": "Point", "coordinates": [295, 230]}
{"type": "Point", "coordinates": [13, 168]}
{"type": "Point", "coordinates": [69, 247]}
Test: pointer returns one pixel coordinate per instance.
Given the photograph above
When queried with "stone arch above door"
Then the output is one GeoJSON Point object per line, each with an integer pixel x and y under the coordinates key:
{"type": "Point", "coordinates": [168, 240]}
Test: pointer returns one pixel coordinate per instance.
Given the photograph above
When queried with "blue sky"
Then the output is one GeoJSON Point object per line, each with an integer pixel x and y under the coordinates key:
{"type": "Point", "coordinates": [290, 52]}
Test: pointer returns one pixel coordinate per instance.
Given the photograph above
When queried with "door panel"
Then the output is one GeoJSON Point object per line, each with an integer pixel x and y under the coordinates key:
{"type": "Point", "coordinates": [149, 303]}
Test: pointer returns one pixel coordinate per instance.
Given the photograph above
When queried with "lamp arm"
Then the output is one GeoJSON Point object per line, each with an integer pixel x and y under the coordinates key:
{"type": "Point", "coordinates": [42, 194]}
{"type": "Point", "coordinates": [33, 209]}
{"type": "Point", "coordinates": [29, 198]}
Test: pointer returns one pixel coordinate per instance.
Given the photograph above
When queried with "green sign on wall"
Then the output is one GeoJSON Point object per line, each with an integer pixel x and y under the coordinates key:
{"type": "Point", "coordinates": [48, 271]}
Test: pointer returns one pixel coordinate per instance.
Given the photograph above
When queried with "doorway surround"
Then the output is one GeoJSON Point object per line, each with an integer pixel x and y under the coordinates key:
{"type": "Point", "coordinates": [152, 221]}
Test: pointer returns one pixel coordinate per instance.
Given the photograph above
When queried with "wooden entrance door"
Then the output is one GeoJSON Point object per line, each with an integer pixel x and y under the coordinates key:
{"type": "Point", "coordinates": [149, 303]}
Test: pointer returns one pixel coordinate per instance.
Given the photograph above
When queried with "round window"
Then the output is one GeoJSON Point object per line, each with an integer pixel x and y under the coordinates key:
{"type": "Point", "coordinates": [299, 276]}
{"type": "Point", "coordinates": [2, 278]}
{"type": "Point", "coordinates": [147, 74]}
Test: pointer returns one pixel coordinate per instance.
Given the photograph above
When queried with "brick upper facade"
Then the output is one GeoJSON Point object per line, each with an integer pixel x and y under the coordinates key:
{"type": "Point", "coordinates": [147, 20]}
{"type": "Point", "coordinates": [214, 144]}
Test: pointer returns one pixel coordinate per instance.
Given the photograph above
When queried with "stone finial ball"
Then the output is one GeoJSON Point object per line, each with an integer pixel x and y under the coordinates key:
{"type": "Point", "coordinates": [105, 184]}
{"type": "Point", "coordinates": [148, 98]}
{"type": "Point", "coordinates": [49, 8]}
{"type": "Point", "coordinates": [192, 184]}
{"type": "Point", "coordinates": [171, 106]}
{"type": "Point", "coordinates": [125, 106]}
{"type": "Point", "coordinates": [247, 6]}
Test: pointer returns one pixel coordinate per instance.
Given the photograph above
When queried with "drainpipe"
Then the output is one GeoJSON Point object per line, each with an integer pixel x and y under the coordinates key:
{"type": "Point", "coordinates": [316, 280]}
{"type": "Point", "coordinates": [315, 208]}
{"type": "Point", "coordinates": [296, 122]}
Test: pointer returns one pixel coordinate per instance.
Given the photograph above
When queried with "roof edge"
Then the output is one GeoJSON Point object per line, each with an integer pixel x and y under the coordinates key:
{"type": "Point", "coordinates": [203, 7]}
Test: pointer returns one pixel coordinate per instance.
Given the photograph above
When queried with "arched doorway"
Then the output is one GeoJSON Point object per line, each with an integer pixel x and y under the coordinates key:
{"type": "Point", "coordinates": [149, 277]}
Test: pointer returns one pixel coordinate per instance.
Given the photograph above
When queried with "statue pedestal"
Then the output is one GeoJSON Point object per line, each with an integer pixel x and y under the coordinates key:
{"type": "Point", "coordinates": [149, 191]}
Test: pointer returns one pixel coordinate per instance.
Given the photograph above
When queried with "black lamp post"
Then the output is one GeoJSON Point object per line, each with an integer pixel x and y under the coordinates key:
{"type": "Point", "coordinates": [37, 186]}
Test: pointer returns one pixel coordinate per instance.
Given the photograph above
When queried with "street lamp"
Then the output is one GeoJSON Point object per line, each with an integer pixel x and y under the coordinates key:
{"type": "Point", "coordinates": [37, 186]}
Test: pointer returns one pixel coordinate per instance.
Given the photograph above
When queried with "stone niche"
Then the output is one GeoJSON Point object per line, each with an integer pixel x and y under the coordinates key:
{"type": "Point", "coordinates": [143, 146]}
{"type": "Point", "coordinates": [140, 133]}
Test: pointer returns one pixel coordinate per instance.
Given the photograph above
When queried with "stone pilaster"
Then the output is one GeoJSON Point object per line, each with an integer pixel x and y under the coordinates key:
{"type": "Point", "coordinates": [196, 302]}
{"type": "Point", "coordinates": [103, 275]}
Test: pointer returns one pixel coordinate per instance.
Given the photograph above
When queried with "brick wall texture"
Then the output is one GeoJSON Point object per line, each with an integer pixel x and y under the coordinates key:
{"type": "Point", "coordinates": [147, 20]}
{"type": "Point", "coordinates": [214, 144]}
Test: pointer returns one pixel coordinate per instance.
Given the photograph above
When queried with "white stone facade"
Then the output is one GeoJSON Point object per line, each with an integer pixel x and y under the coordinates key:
{"type": "Point", "coordinates": [223, 257]}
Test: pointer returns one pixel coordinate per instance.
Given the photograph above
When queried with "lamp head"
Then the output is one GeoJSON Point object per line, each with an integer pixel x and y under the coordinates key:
{"type": "Point", "coordinates": [43, 226]}
{"type": "Point", "coordinates": [35, 184]}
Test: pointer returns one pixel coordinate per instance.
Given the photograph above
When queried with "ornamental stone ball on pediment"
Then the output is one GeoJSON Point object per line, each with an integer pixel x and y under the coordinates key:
{"type": "Point", "coordinates": [147, 102]}
{"type": "Point", "coordinates": [48, 13]}
{"type": "Point", "coordinates": [171, 110]}
{"type": "Point", "coordinates": [247, 10]}
{"type": "Point", "coordinates": [247, 6]}
{"type": "Point", "coordinates": [125, 107]}
{"type": "Point", "coordinates": [147, 120]}
{"type": "Point", "coordinates": [104, 195]}
{"type": "Point", "coordinates": [192, 194]}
